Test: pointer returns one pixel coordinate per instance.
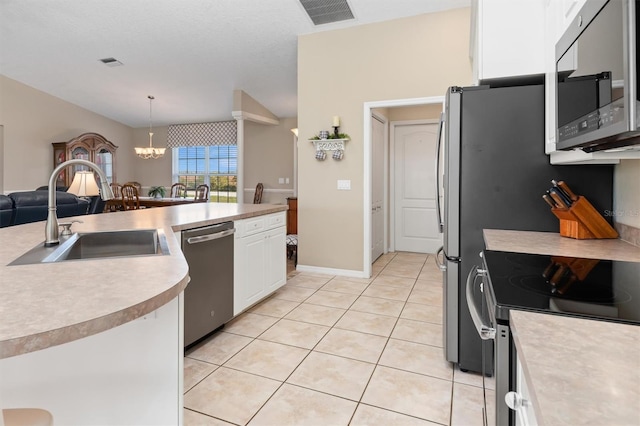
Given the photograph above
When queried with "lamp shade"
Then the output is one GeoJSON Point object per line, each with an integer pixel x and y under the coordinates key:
{"type": "Point", "coordinates": [84, 184]}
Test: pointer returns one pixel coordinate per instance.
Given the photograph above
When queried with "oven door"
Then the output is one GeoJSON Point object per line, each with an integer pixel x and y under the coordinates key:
{"type": "Point", "coordinates": [499, 345]}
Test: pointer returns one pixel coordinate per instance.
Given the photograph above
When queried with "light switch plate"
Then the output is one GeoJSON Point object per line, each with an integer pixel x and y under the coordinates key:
{"type": "Point", "coordinates": [344, 185]}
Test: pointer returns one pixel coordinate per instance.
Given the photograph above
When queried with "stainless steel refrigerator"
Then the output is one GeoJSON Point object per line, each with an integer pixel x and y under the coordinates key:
{"type": "Point", "coordinates": [495, 173]}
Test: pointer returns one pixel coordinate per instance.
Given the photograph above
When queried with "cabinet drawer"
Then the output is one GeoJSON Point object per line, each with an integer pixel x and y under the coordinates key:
{"type": "Point", "coordinates": [253, 226]}
{"type": "Point", "coordinates": [275, 220]}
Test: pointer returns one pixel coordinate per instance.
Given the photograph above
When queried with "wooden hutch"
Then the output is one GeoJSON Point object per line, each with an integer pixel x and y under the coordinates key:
{"type": "Point", "coordinates": [88, 146]}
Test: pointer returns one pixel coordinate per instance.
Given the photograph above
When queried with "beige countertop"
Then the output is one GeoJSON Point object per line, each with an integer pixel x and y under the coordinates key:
{"type": "Point", "coordinates": [579, 372]}
{"type": "Point", "coordinates": [44, 305]}
{"type": "Point", "coordinates": [551, 243]}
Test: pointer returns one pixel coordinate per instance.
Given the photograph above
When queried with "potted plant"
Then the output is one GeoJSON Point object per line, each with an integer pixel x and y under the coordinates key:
{"type": "Point", "coordinates": [157, 191]}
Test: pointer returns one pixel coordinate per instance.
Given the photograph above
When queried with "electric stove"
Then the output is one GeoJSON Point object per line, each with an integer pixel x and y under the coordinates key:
{"type": "Point", "coordinates": [590, 288]}
{"type": "Point", "coordinates": [594, 289]}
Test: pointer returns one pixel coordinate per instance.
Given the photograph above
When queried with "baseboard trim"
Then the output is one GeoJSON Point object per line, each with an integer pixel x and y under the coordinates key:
{"type": "Point", "coordinates": [331, 271]}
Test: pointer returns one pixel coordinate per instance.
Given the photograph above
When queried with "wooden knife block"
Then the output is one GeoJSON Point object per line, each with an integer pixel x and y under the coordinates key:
{"type": "Point", "coordinates": [582, 221]}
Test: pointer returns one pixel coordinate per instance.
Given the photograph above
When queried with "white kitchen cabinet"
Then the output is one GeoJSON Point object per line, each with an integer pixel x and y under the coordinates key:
{"type": "Point", "coordinates": [260, 264]}
{"type": "Point", "coordinates": [127, 375]}
{"type": "Point", "coordinates": [507, 38]}
{"type": "Point", "coordinates": [520, 400]}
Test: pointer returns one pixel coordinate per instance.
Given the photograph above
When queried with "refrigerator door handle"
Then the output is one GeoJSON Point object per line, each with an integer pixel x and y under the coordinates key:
{"type": "Point", "coordinates": [441, 266]}
{"type": "Point", "coordinates": [485, 331]}
{"type": "Point", "coordinates": [437, 169]}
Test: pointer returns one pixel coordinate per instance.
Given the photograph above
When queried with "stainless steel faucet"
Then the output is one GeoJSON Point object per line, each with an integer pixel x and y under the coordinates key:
{"type": "Point", "coordinates": [51, 228]}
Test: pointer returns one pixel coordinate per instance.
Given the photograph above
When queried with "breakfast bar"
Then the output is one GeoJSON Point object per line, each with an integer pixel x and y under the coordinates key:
{"type": "Point", "coordinates": [84, 338]}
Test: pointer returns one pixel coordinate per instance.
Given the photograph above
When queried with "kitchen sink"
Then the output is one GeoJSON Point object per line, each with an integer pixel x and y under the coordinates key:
{"type": "Point", "coordinates": [99, 245]}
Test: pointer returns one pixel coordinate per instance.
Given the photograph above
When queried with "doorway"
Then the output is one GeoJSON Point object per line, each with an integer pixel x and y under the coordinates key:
{"type": "Point", "coordinates": [413, 192]}
{"type": "Point", "coordinates": [369, 167]}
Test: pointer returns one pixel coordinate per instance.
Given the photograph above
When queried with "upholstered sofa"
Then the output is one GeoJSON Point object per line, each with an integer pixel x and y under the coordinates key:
{"type": "Point", "coordinates": [32, 206]}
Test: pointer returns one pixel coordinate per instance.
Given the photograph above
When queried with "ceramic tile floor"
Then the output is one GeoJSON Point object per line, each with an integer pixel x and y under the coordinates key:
{"type": "Point", "coordinates": [327, 350]}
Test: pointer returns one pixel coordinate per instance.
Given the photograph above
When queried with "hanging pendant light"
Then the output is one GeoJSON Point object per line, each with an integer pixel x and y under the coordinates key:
{"type": "Point", "coordinates": [150, 152]}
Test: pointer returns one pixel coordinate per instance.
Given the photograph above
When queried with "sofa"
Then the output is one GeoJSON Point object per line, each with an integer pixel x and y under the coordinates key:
{"type": "Point", "coordinates": [32, 206]}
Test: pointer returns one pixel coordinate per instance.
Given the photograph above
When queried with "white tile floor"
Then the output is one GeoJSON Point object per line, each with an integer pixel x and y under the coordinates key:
{"type": "Point", "coordinates": [328, 350]}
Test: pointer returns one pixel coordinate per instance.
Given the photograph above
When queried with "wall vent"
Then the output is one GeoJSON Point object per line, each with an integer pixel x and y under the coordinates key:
{"type": "Point", "coordinates": [327, 11]}
{"type": "Point", "coordinates": [111, 62]}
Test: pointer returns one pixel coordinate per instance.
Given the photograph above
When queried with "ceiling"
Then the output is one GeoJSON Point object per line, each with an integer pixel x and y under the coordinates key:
{"type": "Point", "coordinates": [190, 54]}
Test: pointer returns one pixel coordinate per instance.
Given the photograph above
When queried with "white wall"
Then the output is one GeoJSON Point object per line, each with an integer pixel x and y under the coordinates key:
{"type": "Point", "coordinates": [626, 192]}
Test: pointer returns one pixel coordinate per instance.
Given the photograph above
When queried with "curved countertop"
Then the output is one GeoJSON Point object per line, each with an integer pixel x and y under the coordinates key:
{"type": "Point", "coordinates": [579, 371]}
{"type": "Point", "coordinates": [47, 304]}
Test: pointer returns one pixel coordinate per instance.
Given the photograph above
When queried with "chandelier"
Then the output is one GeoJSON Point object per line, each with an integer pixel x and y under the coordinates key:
{"type": "Point", "coordinates": [149, 151]}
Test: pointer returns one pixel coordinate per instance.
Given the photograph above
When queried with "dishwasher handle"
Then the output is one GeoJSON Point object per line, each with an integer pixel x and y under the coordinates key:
{"type": "Point", "coordinates": [210, 237]}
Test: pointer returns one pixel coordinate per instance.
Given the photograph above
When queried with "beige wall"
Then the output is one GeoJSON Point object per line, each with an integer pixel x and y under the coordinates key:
{"type": "Point", "coordinates": [268, 155]}
{"type": "Point", "coordinates": [626, 192]}
{"type": "Point", "coordinates": [338, 71]}
{"type": "Point", "coordinates": [420, 112]}
{"type": "Point", "coordinates": [151, 172]}
{"type": "Point", "coordinates": [32, 120]}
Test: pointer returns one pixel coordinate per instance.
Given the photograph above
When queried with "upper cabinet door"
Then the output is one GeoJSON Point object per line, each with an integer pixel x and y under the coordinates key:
{"type": "Point", "coordinates": [507, 38]}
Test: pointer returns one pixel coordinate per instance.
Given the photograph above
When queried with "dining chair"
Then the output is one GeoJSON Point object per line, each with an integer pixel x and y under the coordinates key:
{"type": "Point", "coordinates": [202, 193]}
{"type": "Point", "coordinates": [257, 197]}
{"type": "Point", "coordinates": [138, 185]}
{"type": "Point", "coordinates": [178, 190]}
{"type": "Point", "coordinates": [113, 206]}
{"type": "Point", "coordinates": [130, 200]}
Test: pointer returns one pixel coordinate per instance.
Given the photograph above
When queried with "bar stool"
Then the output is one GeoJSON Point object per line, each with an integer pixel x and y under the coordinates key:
{"type": "Point", "coordinates": [26, 417]}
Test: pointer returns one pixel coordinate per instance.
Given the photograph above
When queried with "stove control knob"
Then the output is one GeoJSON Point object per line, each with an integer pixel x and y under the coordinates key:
{"type": "Point", "coordinates": [515, 401]}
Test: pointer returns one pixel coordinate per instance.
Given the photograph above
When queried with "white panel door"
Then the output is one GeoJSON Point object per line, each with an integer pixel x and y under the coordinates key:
{"type": "Point", "coordinates": [415, 223]}
{"type": "Point", "coordinates": [377, 189]}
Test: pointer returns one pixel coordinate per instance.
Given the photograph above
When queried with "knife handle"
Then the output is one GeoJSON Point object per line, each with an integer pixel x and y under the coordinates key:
{"type": "Point", "coordinates": [563, 186]}
{"type": "Point", "coordinates": [549, 200]}
{"type": "Point", "coordinates": [565, 197]}
{"type": "Point", "coordinates": [558, 200]}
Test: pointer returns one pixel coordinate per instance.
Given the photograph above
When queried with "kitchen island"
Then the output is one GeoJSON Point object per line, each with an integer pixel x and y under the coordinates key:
{"type": "Point", "coordinates": [76, 335]}
{"type": "Point", "coordinates": [579, 371]}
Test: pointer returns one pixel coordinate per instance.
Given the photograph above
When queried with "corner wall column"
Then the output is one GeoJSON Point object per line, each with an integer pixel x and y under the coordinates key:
{"type": "Point", "coordinates": [240, 180]}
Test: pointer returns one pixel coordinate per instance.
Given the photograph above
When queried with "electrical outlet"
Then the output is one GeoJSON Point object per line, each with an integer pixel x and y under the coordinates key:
{"type": "Point", "coordinates": [344, 185]}
{"type": "Point", "coordinates": [281, 181]}
{"type": "Point", "coordinates": [286, 180]}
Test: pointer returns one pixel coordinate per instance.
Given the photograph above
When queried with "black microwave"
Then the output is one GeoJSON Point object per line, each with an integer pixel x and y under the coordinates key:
{"type": "Point", "coordinates": [597, 104]}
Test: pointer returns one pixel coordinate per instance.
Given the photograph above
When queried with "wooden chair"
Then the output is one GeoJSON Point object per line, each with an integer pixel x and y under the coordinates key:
{"type": "Point", "coordinates": [202, 194]}
{"type": "Point", "coordinates": [130, 200]}
{"type": "Point", "coordinates": [137, 185]}
{"type": "Point", "coordinates": [178, 190]}
{"type": "Point", "coordinates": [257, 197]}
{"type": "Point", "coordinates": [112, 205]}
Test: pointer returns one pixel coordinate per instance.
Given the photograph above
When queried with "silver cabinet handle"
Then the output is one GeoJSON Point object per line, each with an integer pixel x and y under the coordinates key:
{"type": "Point", "coordinates": [441, 266]}
{"type": "Point", "coordinates": [485, 331]}
{"type": "Point", "coordinates": [209, 237]}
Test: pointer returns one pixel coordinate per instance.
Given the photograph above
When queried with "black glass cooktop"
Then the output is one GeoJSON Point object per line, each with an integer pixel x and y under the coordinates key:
{"type": "Point", "coordinates": [592, 288]}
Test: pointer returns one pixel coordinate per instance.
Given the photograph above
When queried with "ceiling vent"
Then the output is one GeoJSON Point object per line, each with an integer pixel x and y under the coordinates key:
{"type": "Point", "coordinates": [111, 62]}
{"type": "Point", "coordinates": [327, 11]}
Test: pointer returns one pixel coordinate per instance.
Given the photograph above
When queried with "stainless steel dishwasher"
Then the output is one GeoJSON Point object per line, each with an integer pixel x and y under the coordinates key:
{"type": "Point", "coordinates": [208, 299]}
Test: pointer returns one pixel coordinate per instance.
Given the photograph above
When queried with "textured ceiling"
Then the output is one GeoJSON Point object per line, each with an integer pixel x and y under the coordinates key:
{"type": "Point", "coordinates": [189, 54]}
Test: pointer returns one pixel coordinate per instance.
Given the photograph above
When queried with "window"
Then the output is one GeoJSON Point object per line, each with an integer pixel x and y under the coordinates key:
{"type": "Point", "coordinates": [216, 166]}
